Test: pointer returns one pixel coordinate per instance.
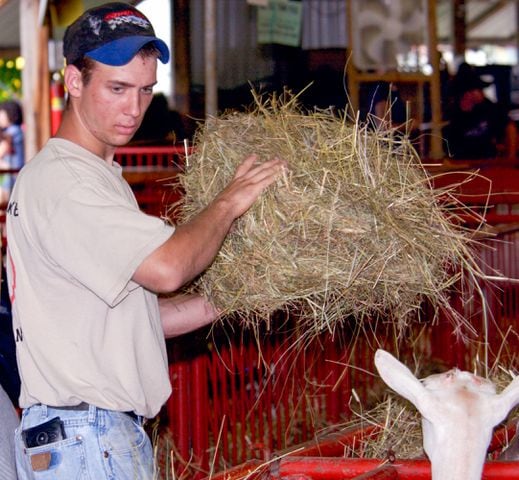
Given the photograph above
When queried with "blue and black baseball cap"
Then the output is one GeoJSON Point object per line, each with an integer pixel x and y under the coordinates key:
{"type": "Point", "coordinates": [112, 34]}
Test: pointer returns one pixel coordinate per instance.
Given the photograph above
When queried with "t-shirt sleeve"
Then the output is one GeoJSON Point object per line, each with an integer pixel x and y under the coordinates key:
{"type": "Point", "coordinates": [100, 238]}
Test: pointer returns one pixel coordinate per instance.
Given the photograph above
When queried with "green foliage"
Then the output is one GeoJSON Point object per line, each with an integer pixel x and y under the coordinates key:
{"type": "Point", "coordinates": [10, 78]}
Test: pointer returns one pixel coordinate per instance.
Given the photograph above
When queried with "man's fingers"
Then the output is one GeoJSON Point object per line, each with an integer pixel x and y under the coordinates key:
{"type": "Point", "coordinates": [250, 180]}
{"type": "Point", "coordinates": [249, 168]}
{"type": "Point", "coordinates": [246, 165]}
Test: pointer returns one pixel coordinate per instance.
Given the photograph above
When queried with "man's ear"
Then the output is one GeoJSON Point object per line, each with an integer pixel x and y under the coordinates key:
{"type": "Point", "coordinates": [73, 80]}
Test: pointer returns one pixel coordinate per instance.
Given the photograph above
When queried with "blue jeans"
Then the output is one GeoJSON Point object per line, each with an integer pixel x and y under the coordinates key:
{"type": "Point", "coordinates": [99, 444]}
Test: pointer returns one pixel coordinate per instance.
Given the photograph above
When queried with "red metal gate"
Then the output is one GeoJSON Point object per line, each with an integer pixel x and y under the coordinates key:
{"type": "Point", "coordinates": [241, 399]}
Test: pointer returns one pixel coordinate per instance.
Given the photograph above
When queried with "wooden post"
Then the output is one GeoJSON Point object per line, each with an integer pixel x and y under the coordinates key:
{"type": "Point", "coordinates": [211, 89]}
{"type": "Point", "coordinates": [35, 77]}
{"type": "Point", "coordinates": [435, 87]}
{"type": "Point", "coordinates": [517, 24]}
{"type": "Point", "coordinates": [351, 70]}
{"type": "Point", "coordinates": [181, 56]}
{"type": "Point", "coordinates": [459, 28]}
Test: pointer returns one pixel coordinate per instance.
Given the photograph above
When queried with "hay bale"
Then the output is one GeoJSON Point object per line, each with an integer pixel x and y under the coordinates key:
{"type": "Point", "coordinates": [353, 228]}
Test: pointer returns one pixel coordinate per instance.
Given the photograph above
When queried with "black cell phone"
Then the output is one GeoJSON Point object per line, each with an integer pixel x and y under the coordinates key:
{"type": "Point", "coordinates": [48, 432]}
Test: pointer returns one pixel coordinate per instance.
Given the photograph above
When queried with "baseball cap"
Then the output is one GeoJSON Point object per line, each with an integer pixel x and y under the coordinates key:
{"type": "Point", "coordinates": [112, 34]}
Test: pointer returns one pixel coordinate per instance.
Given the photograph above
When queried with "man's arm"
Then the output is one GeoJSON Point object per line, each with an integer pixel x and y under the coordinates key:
{"type": "Point", "coordinates": [181, 314]}
{"type": "Point", "coordinates": [194, 245]}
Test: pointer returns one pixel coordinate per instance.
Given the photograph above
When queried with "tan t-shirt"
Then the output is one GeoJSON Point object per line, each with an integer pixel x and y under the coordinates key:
{"type": "Point", "coordinates": [85, 332]}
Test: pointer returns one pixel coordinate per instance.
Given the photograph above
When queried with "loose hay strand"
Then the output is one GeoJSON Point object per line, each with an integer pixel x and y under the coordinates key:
{"type": "Point", "coordinates": [352, 229]}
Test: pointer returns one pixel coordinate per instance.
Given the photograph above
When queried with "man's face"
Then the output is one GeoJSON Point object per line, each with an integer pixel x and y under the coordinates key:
{"type": "Point", "coordinates": [112, 104]}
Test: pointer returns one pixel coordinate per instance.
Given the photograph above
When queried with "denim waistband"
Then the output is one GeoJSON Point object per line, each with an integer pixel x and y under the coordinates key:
{"type": "Point", "coordinates": [84, 407]}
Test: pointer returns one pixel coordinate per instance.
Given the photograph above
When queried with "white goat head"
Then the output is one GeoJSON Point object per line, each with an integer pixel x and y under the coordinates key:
{"type": "Point", "coordinates": [459, 411]}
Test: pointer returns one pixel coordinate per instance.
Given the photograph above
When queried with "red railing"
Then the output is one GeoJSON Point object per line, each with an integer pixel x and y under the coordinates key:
{"type": "Point", "coordinates": [493, 192]}
{"type": "Point", "coordinates": [151, 171]}
{"type": "Point", "coordinates": [151, 157]}
{"type": "Point", "coordinates": [240, 399]}
{"type": "Point", "coordinates": [236, 401]}
{"type": "Point", "coordinates": [250, 398]}
{"type": "Point", "coordinates": [325, 460]}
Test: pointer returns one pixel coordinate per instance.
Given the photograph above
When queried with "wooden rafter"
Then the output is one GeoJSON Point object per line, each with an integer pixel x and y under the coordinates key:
{"type": "Point", "coordinates": [486, 14]}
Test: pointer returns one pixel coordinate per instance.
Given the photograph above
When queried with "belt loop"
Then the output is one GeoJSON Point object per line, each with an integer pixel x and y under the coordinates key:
{"type": "Point", "coordinates": [44, 412]}
{"type": "Point", "coordinates": [92, 413]}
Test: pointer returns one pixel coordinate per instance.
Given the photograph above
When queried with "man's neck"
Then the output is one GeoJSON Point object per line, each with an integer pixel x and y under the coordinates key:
{"type": "Point", "coordinates": [72, 130]}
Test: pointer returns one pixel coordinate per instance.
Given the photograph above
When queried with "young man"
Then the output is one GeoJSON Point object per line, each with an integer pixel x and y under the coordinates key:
{"type": "Point", "coordinates": [85, 265]}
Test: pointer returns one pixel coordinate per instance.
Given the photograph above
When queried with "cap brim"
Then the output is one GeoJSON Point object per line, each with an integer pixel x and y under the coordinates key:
{"type": "Point", "coordinates": [121, 51]}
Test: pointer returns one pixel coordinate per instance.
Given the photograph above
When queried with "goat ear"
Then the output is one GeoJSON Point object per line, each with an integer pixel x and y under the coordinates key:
{"type": "Point", "coordinates": [507, 400]}
{"type": "Point", "coordinates": [399, 378]}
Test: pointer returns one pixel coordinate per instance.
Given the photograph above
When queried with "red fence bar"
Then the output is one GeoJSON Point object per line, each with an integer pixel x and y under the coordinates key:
{"type": "Point", "coordinates": [502, 437]}
{"type": "Point", "coordinates": [178, 408]}
{"type": "Point", "coordinates": [387, 472]}
{"type": "Point", "coordinates": [200, 414]}
{"type": "Point", "coordinates": [317, 468]}
{"type": "Point", "coordinates": [333, 444]}
{"type": "Point", "coordinates": [346, 469]}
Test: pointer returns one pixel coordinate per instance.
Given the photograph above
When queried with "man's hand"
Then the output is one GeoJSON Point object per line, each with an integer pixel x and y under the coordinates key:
{"type": "Point", "coordinates": [249, 181]}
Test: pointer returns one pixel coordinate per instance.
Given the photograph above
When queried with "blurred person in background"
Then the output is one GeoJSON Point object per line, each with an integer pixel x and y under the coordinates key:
{"type": "Point", "coordinates": [11, 120]}
{"type": "Point", "coordinates": [478, 128]}
{"type": "Point", "coordinates": [387, 106]}
{"type": "Point", "coordinates": [5, 152]}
